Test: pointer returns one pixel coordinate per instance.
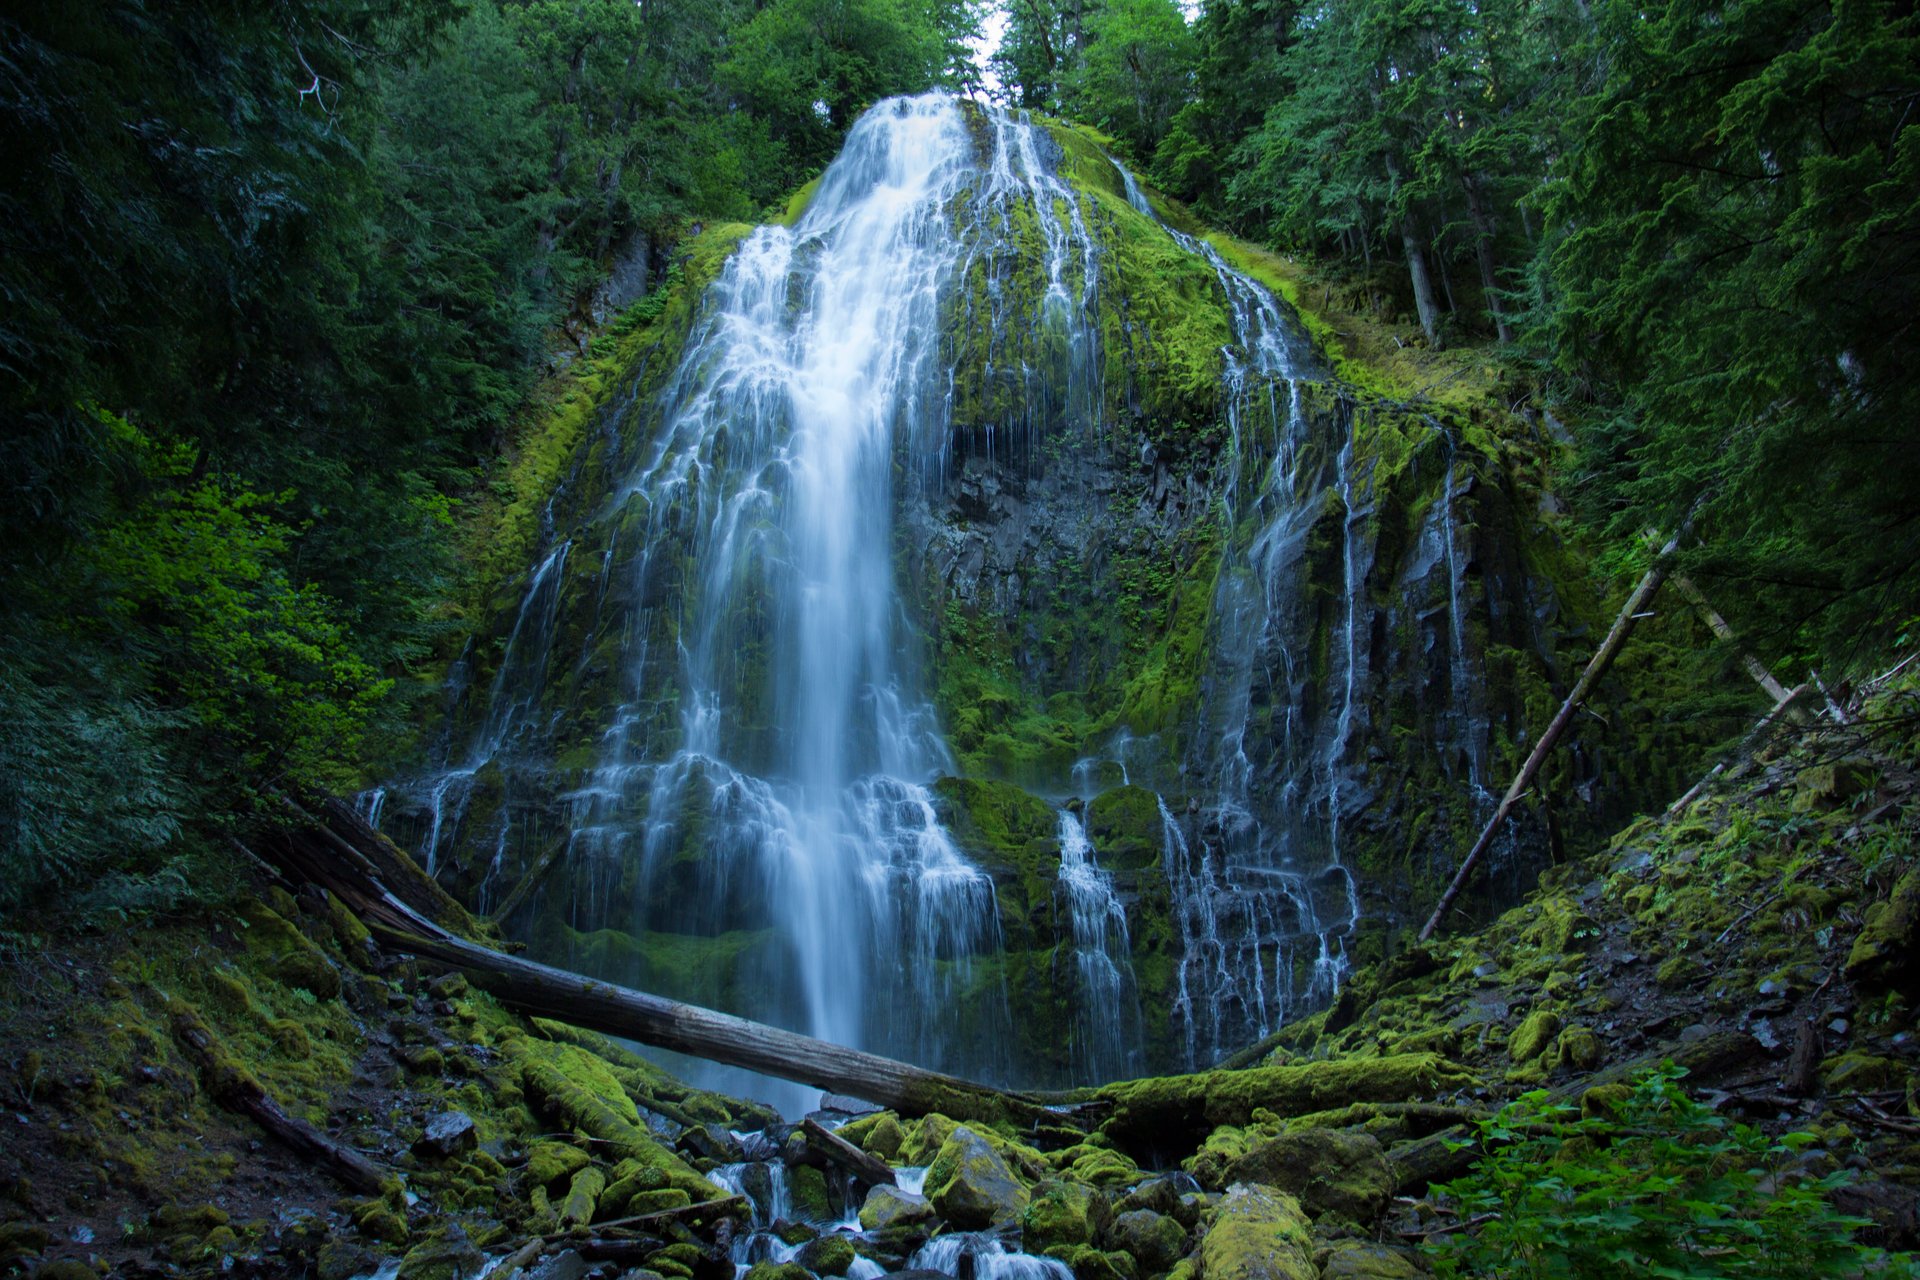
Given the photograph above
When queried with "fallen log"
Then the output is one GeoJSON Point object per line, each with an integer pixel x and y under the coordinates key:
{"type": "Point", "coordinates": [1602, 659]}
{"type": "Point", "coordinates": [404, 910]}
{"type": "Point", "coordinates": [874, 1172]}
{"type": "Point", "coordinates": [235, 1088]}
{"type": "Point", "coordinates": [534, 988]}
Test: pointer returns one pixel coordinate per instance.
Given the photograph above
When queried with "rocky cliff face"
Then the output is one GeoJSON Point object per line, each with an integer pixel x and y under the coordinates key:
{"type": "Point", "coordinates": [1176, 671]}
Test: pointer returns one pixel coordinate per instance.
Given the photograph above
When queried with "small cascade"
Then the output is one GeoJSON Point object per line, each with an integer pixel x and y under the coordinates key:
{"type": "Point", "coordinates": [984, 1256]}
{"type": "Point", "coordinates": [1107, 1006]}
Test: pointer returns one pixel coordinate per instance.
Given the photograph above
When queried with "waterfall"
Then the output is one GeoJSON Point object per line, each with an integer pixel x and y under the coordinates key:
{"type": "Point", "coordinates": [1106, 1009]}
{"type": "Point", "coordinates": [1260, 896]}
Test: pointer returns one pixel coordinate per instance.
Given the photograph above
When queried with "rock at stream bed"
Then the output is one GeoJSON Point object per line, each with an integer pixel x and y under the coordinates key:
{"type": "Point", "coordinates": [971, 1186]}
{"type": "Point", "coordinates": [1258, 1233]}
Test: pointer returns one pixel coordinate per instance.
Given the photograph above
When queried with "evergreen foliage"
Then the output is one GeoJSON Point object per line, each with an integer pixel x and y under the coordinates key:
{"type": "Point", "coordinates": [279, 279]}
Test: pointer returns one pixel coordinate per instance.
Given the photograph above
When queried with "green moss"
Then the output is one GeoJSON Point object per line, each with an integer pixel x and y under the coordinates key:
{"type": "Point", "coordinates": [1258, 1233]}
{"type": "Point", "coordinates": [1531, 1038]}
{"type": "Point", "coordinates": [1062, 1213]}
{"type": "Point", "coordinates": [1125, 827]}
{"type": "Point", "coordinates": [1158, 1111]}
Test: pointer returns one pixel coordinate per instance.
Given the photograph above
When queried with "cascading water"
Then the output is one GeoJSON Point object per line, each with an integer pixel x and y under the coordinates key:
{"type": "Point", "coordinates": [1260, 895]}
{"type": "Point", "coordinates": [746, 802]}
{"type": "Point", "coordinates": [1107, 1005]}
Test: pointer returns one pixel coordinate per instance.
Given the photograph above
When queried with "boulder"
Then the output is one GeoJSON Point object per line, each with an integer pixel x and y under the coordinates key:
{"type": "Point", "coordinates": [1365, 1260]}
{"type": "Point", "coordinates": [1886, 954]}
{"type": "Point", "coordinates": [827, 1256]}
{"type": "Point", "coordinates": [1156, 1240]}
{"type": "Point", "coordinates": [891, 1207]}
{"type": "Point", "coordinates": [1258, 1233]}
{"type": "Point", "coordinates": [448, 1134]}
{"type": "Point", "coordinates": [1531, 1038]}
{"type": "Point", "coordinates": [1329, 1170]}
{"type": "Point", "coordinates": [971, 1186]}
{"type": "Point", "coordinates": [1062, 1213]}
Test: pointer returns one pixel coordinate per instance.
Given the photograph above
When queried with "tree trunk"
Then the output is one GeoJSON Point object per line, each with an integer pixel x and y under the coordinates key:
{"type": "Point", "coordinates": [1609, 650]}
{"type": "Point", "coordinates": [1423, 299]}
{"type": "Point", "coordinates": [329, 859]}
{"type": "Point", "coordinates": [536, 989]}
{"type": "Point", "coordinates": [1483, 235]}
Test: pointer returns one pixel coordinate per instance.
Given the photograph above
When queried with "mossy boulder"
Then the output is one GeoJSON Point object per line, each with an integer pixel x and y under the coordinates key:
{"type": "Point", "coordinates": [888, 1207]}
{"type": "Point", "coordinates": [1125, 827]}
{"type": "Point", "coordinates": [1155, 1240]}
{"type": "Point", "coordinates": [448, 1255]}
{"type": "Point", "coordinates": [1062, 1213]}
{"type": "Point", "coordinates": [971, 1186]}
{"type": "Point", "coordinates": [1860, 1072]}
{"type": "Point", "coordinates": [1365, 1260]}
{"type": "Point", "coordinates": [1886, 954]}
{"type": "Point", "coordinates": [1089, 1263]}
{"type": "Point", "coordinates": [1535, 1032]}
{"type": "Point", "coordinates": [877, 1135]}
{"type": "Point", "coordinates": [1328, 1170]}
{"type": "Point", "coordinates": [778, 1271]}
{"type": "Point", "coordinates": [286, 953]}
{"type": "Point", "coordinates": [1258, 1233]}
{"type": "Point", "coordinates": [1577, 1049]}
{"type": "Point", "coordinates": [827, 1256]}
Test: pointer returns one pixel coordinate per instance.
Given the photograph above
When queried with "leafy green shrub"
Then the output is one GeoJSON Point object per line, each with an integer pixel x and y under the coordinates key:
{"type": "Point", "coordinates": [1656, 1185]}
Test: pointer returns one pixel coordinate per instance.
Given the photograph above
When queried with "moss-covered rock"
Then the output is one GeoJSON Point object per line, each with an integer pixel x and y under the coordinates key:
{"type": "Point", "coordinates": [548, 1161]}
{"type": "Point", "coordinates": [827, 1256]}
{"type": "Point", "coordinates": [1124, 825]}
{"type": "Point", "coordinates": [971, 1186]}
{"type": "Point", "coordinates": [878, 1135]}
{"type": "Point", "coordinates": [1154, 1239]}
{"type": "Point", "coordinates": [1531, 1038]}
{"type": "Point", "coordinates": [891, 1207]}
{"type": "Point", "coordinates": [1366, 1260]}
{"type": "Point", "coordinates": [1886, 954]}
{"type": "Point", "coordinates": [1258, 1233]}
{"type": "Point", "coordinates": [285, 952]}
{"type": "Point", "coordinates": [1328, 1170]}
{"type": "Point", "coordinates": [1062, 1213]}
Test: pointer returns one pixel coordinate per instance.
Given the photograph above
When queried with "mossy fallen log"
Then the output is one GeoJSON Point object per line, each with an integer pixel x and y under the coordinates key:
{"type": "Point", "coordinates": [1172, 1112]}
{"type": "Point", "coordinates": [536, 989]}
